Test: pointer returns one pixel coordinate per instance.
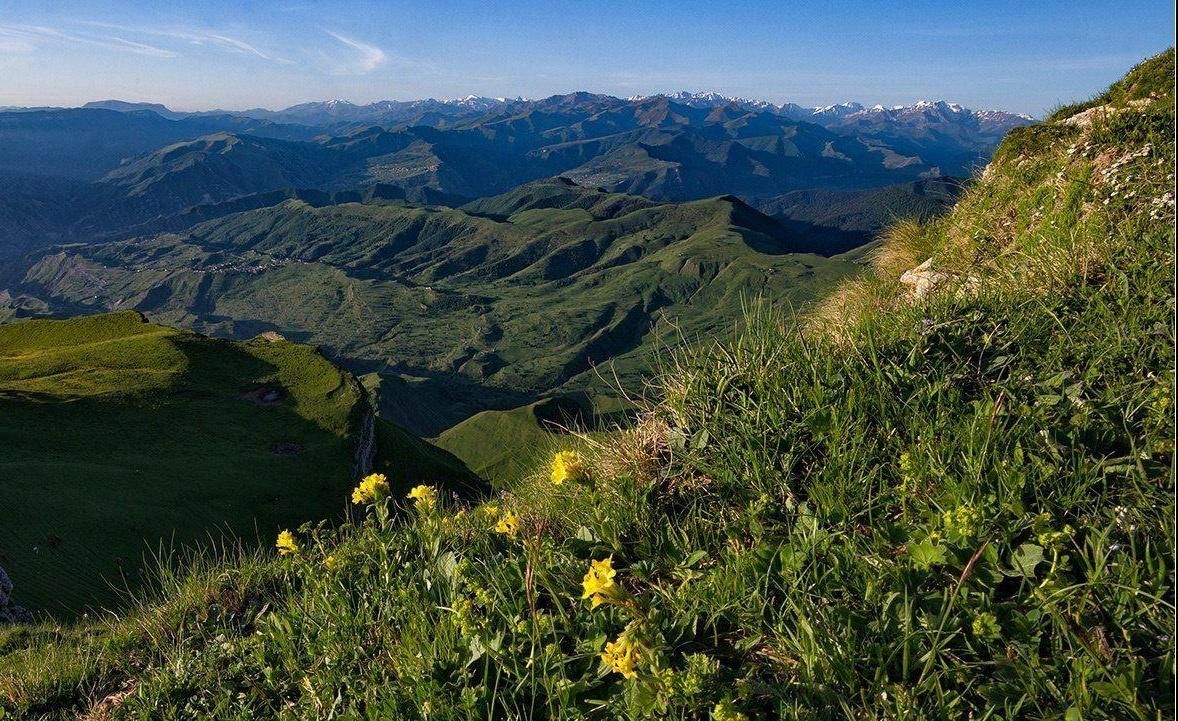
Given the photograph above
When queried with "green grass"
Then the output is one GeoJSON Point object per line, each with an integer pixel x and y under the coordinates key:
{"type": "Point", "coordinates": [525, 296]}
{"type": "Point", "coordinates": [951, 507]}
{"type": "Point", "coordinates": [504, 447]}
{"type": "Point", "coordinates": [121, 436]}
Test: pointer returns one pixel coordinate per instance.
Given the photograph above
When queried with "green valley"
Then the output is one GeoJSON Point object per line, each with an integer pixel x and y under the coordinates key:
{"type": "Point", "coordinates": [945, 490]}
{"type": "Point", "coordinates": [550, 288]}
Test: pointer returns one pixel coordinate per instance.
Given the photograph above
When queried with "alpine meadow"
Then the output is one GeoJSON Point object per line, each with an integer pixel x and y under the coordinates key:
{"type": "Point", "coordinates": [631, 404]}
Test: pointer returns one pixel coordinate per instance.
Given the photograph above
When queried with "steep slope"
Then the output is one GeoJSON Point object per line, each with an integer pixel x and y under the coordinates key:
{"type": "Point", "coordinates": [842, 220]}
{"type": "Point", "coordinates": [122, 436]}
{"type": "Point", "coordinates": [119, 169]}
{"type": "Point", "coordinates": [215, 168]}
{"type": "Point", "coordinates": [949, 495]}
{"type": "Point", "coordinates": [85, 144]}
{"type": "Point", "coordinates": [473, 311]}
{"type": "Point", "coordinates": [505, 447]}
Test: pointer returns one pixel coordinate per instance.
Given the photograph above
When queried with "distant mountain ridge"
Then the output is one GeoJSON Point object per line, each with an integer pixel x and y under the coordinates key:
{"type": "Point", "coordinates": [141, 168]}
{"type": "Point", "coordinates": [394, 111]}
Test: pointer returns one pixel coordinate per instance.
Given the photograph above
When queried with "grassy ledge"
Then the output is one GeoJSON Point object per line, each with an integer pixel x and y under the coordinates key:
{"type": "Point", "coordinates": [943, 498]}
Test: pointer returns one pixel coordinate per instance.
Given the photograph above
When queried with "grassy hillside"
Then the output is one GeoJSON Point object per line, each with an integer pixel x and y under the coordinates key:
{"type": "Point", "coordinates": [943, 497]}
{"type": "Point", "coordinates": [121, 436]}
{"type": "Point", "coordinates": [505, 447]}
{"type": "Point", "coordinates": [842, 220]}
{"type": "Point", "coordinates": [495, 306]}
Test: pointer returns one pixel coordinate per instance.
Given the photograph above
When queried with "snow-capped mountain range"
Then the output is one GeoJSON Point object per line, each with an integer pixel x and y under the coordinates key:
{"type": "Point", "coordinates": [431, 109]}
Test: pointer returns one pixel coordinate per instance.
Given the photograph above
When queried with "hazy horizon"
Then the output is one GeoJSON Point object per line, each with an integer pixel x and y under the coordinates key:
{"type": "Point", "coordinates": [220, 55]}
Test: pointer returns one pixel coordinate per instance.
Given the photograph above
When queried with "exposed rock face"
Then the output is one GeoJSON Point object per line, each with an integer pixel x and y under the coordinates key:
{"type": "Point", "coordinates": [923, 279]}
{"type": "Point", "coordinates": [10, 612]}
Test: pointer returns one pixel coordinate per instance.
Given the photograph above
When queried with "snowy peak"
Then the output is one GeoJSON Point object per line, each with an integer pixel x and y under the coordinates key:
{"type": "Point", "coordinates": [840, 110]}
{"type": "Point", "coordinates": [708, 100]}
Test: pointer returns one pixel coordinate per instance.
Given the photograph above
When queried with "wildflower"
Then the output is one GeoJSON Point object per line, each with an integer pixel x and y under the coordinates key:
{"type": "Point", "coordinates": [961, 523]}
{"type": "Point", "coordinates": [424, 496]}
{"type": "Point", "coordinates": [372, 488]}
{"type": "Point", "coordinates": [331, 563]}
{"type": "Point", "coordinates": [598, 585]}
{"type": "Point", "coordinates": [286, 544]}
{"type": "Point", "coordinates": [567, 466]}
{"type": "Point", "coordinates": [508, 524]}
{"type": "Point", "coordinates": [450, 523]}
{"type": "Point", "coordinates": [1045, 535]}
{"type": "Point", "coordinates": [700, 671]}
{"type": "Point", "coordinates": [985, 627]}
{"type": "Point", "coordinates": [726, 711]}
{"type": "Point", "coordinates": [622, 656]}
{"type": "Point", "coordinates": [906, 468]}
{"type": "Point", "coordinates": [1050, 539]}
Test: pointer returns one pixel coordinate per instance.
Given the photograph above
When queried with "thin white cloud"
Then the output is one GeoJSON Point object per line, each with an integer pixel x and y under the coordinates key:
{"type": "Point", "coordinates": [15, 46]}
{"type": "Point", "coordinates": [194, 36]}
{"type": "Point", "coordinates": [371, 56]}
{"type": "Point", "coordinates": [37, 34]}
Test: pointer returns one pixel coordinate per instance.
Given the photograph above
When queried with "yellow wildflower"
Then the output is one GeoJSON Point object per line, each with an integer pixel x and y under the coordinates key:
{"type": "Point", "coordinates": [598, 585]}
{"type": "Point", "coordinates": [371, 489]}
{"type": "Point", "coordinates": [331, 563]}
{"type": "Point", "coordinates": [424, 496]}
{"type": "Point", "coordinates": [961, 522]}
{"type": "Point", "coordinates": [726, 711]}
{"type": "Point", "coordinates": [567, 466]}
{"type": "Point", "coordinates": [450, 523]}
{"type": "Point", "coordinates": [286, 543]}
{"type": "Point", "coordinates": [508, 524]}
{"type": "Point", "coordinates": [985, 627]}
{"type": "Point", "coordinates": [622, 656]}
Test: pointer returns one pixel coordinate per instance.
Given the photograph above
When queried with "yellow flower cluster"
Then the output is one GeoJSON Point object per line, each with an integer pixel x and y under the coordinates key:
{"type": "Point", "coordinates": [567, 466]}
{"type": "Point", "coordinates": [331, 563]}
{"type": "Point", "coordinates": [985, 627]}
{"type": "Point", "coordinates": [508, 524]}
{"type": "Point", "coordinates": [1046, 535]}
{"type": "Point", "coordinates": [622, 656]}
{"type": "Point", "coordinates": [598, 585]}
{"type": "Point", "coordinates": [961, 522]}
{"type": "Point", "coordinates": [726, 711]}
{"type": "Point", "coordinates": [286, 543]}
{"type": "Point", "coordinates": [424, 496]}
{"type": "Point", "coordinates": [371, 489]}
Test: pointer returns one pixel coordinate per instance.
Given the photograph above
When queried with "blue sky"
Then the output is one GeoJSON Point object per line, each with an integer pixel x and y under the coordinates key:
{"type": "Point", "coordinates": [1020, 56]}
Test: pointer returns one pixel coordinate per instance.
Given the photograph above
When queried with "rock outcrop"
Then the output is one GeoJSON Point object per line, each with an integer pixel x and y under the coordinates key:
{"type": "Point", "coordinates": [9, 611]}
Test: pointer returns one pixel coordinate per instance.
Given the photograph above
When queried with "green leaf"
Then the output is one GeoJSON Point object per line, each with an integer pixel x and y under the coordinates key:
{"type": "Point", "coordinates": [820, 422]}
{"type": "Point", "coordinates": [585, 534]}
{"type": "Point", "coordinates": [1073, 714]}
{"type": "Point", "coordinates": [926, 555]}
{"type": "Point", "coordinates": [1026, 558]}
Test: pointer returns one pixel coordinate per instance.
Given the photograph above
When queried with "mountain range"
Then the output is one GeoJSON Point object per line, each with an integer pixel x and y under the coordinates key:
{"type": "Point", "coordinates": [467, 254]}
{"type": "Point", "coordinates": [392, 112]}
{"type": "Point", "coordinates": [116, 165]}
{"type": "Point", "coordinates": [492, 304]}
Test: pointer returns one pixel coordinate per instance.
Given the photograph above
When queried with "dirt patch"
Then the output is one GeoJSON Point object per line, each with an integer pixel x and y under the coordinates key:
{"type": "Point", "coordinates": [265, 395]}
